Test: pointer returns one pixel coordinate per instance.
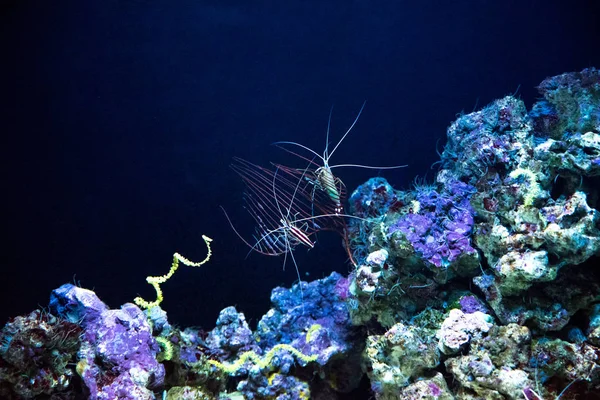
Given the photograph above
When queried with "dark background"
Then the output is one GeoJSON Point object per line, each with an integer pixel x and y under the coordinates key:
{"type": "Point", "coordinates": [119, 120]}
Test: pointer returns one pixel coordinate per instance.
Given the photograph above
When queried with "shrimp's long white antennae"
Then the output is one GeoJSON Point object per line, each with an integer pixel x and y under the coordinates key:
{"type": "Point", "coordinates": [288, 246]}
{"type": "Point", "coordinates": [347, 132]}
{"type": "Point", "coordinates": [315, 217]}
{"type": "Point", "coordinates": [326, 151]}
{"type": "Point", "coordinates": [299, 279]}
{"type": "Point", "coordinates": [301, 146]}
{"type": "Point", "coordinates": [233, 227]}
{"type": "Point", "coordinates": [295, 189]}
{"type": "Point", "coordinates": [366, 166]}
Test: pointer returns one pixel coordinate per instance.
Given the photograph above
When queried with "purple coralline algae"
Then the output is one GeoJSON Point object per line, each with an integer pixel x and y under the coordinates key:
{"type": "Point", "coordinates": [439, 229]}
{"type": "Point", "coordinates": [305, 341]}
{"type": "Point", "coordinates": [469, 303]}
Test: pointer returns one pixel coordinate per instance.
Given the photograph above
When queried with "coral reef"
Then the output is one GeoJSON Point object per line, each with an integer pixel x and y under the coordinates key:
{"type": "Point", "coordinates": [502, 240]}
{"type": "Point", "coordinates": [480, 284]}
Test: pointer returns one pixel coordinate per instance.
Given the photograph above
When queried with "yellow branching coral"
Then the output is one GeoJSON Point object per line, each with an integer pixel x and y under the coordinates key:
{"type": "Point", "coordinates": [156, 281]}
{"type": "Point", "coordinates": [264, 362]}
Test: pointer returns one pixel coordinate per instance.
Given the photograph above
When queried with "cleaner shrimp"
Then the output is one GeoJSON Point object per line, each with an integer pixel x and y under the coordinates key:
{"type": "Point", "coordinates": [322, 177]}
{"type": "Point", "coordinates": [282, 203]}
{"type": "Point", "coordinates": [279, 203]}
{"type": "Point", "coordinates": [275, 200]}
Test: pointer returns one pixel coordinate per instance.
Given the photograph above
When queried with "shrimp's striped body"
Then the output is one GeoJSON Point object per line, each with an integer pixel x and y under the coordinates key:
{"type": "Point", "coordinates": [329, 184]}
{"type": "Point", "coordinates": [296, 234]}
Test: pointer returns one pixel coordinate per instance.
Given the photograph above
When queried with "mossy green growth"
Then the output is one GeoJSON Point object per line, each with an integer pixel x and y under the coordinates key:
{"type": "Point", "coordinates": [190, 392]}
{"type": "Point", "coordinates": [533, 191]}
{"type": "Point", "coordinates": [310, 334]}
{"type": "Point", "coordinates": [167, 346]}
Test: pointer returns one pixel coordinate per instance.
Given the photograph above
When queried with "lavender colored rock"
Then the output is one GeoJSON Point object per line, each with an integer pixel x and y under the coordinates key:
{"type": "Point", "coordinates": [118, 352]}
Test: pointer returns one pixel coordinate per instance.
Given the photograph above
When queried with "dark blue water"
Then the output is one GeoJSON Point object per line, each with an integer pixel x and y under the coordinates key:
{"type": "Point", "coordinates": [120, 118]}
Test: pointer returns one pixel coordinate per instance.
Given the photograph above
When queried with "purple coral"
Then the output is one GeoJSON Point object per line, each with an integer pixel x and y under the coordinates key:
{"type": "Point", "coordinates": [470, 304]}
{"type": "Point", "coordinates": [118, 352]}
{"type": "Point", "coordinates": [440, 230]}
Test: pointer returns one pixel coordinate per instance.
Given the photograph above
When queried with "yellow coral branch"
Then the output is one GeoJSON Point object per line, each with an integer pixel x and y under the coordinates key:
{"type": "Point", "coordinates": [156, 281]}
{"type": "Point", "coordinates": [231, 368]}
